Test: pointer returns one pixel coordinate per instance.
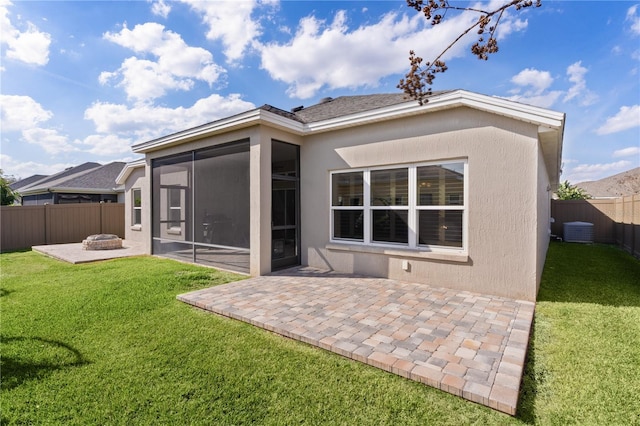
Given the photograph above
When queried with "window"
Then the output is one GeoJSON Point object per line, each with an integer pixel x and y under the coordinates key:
{"type": "Point", "coordinates": [416, 206]}
{"type": "Point", "coordinates": [175, 207]}
{"type": "Point", "coordinates": [136, 195]}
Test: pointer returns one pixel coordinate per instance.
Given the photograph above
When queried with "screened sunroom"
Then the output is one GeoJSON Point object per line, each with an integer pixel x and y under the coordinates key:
{"type": "Point", "coordinates": [201, 206]}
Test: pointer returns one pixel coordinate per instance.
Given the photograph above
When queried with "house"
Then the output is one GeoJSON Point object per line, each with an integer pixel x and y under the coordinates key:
{"type": "Point", "coordinates": [454, 193]}
{"type": "Point", "coordinates": [87, 183]}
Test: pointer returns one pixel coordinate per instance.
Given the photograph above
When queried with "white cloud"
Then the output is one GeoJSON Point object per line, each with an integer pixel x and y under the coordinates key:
{"type": "Point", "coordinates": [331, 54]}
{"type": "Point", "coordinates": [30, 46]}
{"type": "Point", "coordinates": [21, 112]}
{"type": "Point", "coordinates": [48, 139]}
{"type": "Point", "coordinates": [143, 122]}
{"type": "Point", "coordinates": [576, 73]}
{"type": "Point", "coordinates": [634, 18]}
{"type": "Point", "coordinates": [627, 152]}
{"type": "Point", "coordinates": [627, 117]}
{"type": "Point", "coordinates": [538, 80]}
{"type": "Point", "coordinates": [543, 100]}
{"type": "Point", "coordinates": [589, 172]}
{"type": "Point", "coordinates": [23, 169]}
{"type": "Point", "coordinates": [176, 68]}
{"type": "Point", "coordinates": [231, 22]}
{"type": "Point", "coordinates": [106, 145]}
{"type": "Point", "coordinates": [160, 8]}
{"type": "Point", "coordinates": [534, 83]}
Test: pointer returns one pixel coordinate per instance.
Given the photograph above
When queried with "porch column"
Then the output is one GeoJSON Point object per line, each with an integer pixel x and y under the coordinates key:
{"type": "Point", "coordinates": [260, 204]}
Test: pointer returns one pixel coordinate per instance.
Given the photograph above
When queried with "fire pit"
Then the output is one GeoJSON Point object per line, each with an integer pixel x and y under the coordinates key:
{"type": "Point", "coordinates": [102, 242]}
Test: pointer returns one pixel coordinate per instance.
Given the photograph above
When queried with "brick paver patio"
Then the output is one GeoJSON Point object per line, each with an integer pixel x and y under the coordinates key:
{"type": "Point", "coordinates": [464, 343]}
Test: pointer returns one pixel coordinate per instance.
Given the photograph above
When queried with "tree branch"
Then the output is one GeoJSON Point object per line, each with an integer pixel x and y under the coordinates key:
{"type": "Point", "coordinates": [418, 81]}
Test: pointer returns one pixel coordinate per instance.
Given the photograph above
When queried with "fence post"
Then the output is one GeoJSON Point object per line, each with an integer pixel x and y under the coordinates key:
{"type": "Point", "coordinates": [47, 224]}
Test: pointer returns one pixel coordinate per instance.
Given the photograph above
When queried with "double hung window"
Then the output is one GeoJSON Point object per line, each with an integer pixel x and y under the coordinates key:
{"type": "Point", "coordinates": [416, 206]}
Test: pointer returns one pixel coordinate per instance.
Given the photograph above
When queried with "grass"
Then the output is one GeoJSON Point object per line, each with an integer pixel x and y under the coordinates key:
{"type": "Point", "coordinates": [584, 354]}
{"type": "Point", "coordinates": [108, 343]}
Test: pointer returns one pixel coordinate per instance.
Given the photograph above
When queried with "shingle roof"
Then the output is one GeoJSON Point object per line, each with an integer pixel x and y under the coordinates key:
{"type": "Point", "coordinates": [50, 180]}
{"type": "Point", "coordinates": [329, 108]}
{"type": "Point", "coordinates": [281, 112]}
{"type": "Point", "coordinates": [103, 177]}
{"type": "Point", "coordinates": [26, 182]}
{"type": "Point", "coordinates": [87, 175]}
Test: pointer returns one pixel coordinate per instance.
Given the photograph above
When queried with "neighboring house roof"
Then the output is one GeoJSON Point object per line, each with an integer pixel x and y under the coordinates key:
{"type": "Point", "coordinates": [70, 171]}
{"type": "Point", "coordinates": [87, 178]}
{"type": "Point", "coordinates": [17, 185]}
{"type": "Point", "coordinates": [350, 111]}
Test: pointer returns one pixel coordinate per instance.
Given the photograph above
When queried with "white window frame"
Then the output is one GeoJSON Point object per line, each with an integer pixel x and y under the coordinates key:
{"type": "Point", "coordinates": [135, 208]}
{"type": "Point", "coordinates": [413, 208]}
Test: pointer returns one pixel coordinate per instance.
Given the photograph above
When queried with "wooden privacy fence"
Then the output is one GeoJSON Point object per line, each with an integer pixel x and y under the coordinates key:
{"type": "Point", "coordinates": [615, 220]}
{"type": "Point", "coordinates": [22, 227]}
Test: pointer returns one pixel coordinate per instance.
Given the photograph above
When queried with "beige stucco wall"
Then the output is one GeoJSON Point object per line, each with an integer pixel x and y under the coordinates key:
{"type": "Point", "coordinates": [260, 138]}
{"type": "Point", "coordinates": [507, 202]}
{"type": "Point", "coordinates": [544, 216]}
{"type": "Point", "coordinates": [503, 234]}
{"type": "Point", "coordinates": [142, 235]}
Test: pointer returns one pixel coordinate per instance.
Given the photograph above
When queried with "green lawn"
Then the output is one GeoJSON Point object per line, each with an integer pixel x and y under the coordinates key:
{"type": "Point", "coordinates": [108, 343]}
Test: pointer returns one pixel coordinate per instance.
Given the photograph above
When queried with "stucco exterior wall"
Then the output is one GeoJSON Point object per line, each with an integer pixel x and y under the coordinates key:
{"type": "Point", "coordinates": [544, 216]}
{"type": "Point", "coordinates": [260, 138]}
{"type": "Point", "coordinates": [139, 234]}
{"type": "Point", "coordinates": [502, 157]}
{"type": "Point", "coordinates": [507, 202]}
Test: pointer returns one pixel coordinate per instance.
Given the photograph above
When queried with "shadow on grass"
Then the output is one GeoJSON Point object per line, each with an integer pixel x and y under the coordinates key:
{"type": "Point", "coordinates": [5, 292]}
{"type": "Point", "coordinates": [28, 358]}
{"type": "Point", "coordinates": [590, 273]}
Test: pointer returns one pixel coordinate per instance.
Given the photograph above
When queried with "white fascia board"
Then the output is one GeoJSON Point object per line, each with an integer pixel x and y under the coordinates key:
{"type": "Point", "coordinates": [457, 98]}
{"type": "Point", "coordinates": [533, 114]}
{"type": "Point", "coordinates": [239, 121]}
{"type": "Point", "coordinates": [128, 169]}
{"type": "Point", "coordinates": [283, 123]}
{"type": "Point", "coordinates": [225, 124]}
{"type": "Point", "coordinates": [536, 115]}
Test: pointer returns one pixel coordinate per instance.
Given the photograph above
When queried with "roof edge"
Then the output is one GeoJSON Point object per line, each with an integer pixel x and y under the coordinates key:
{"type": "Point", "coordinates": [445, 100]}
{"type": "Point", "coordinates": [238, 121]}
{"type": "Point", "coordinates": [128, 169]}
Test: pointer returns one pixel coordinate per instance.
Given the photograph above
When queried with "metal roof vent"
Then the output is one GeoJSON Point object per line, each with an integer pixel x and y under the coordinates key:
{"type": "Point", "coordinates": [325, 100]}
{"type": "Point", "coordinates": [578, 232]}
{"type": "Point", "coordinates": [298, 108]}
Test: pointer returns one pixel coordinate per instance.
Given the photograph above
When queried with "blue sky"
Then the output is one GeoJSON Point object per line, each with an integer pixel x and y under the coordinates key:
{"type": "Point", "coordinates": [84, 80]}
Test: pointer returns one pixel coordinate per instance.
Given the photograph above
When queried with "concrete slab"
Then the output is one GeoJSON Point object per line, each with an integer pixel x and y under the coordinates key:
{"type": "Point", "coordinates": [74, 253]}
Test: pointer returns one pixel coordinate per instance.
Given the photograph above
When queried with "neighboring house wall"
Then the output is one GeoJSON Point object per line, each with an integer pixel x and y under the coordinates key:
{"type": "Point", "coordinates": [502, 198]}
{"type": "Point", "coordinates": [37, 200]}
{"type": "Point", "coordinates": [67, 198]}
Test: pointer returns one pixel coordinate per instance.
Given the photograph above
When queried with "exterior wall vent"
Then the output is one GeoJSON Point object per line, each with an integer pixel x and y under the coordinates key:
{"type": "Point", "coordinates": [578, 232]}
